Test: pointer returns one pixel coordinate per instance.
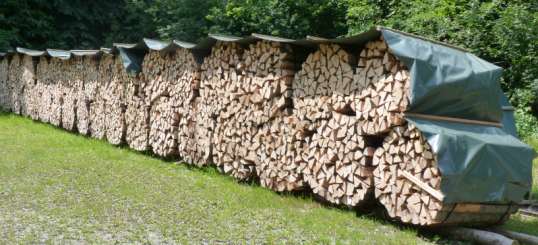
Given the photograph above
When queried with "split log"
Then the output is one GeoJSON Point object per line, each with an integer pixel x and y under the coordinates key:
{"type": "Point", "coordinates": [340, 162]}
{"type": "Point", "coordinates": [478, 236]}
{"type": "Point", "coordinates": [408, 183]}
{"type": "Point", "coordinates": [521, 237]}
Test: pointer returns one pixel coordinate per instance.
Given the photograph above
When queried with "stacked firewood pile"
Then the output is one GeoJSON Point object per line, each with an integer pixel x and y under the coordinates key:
{"type": "Point", "coordinates": [15, 86]}
{"type": "Point", "coordinates": [160, 75]}
{"type": "Point", "coordinates": [43, 86]}
{"type": "Point", "coordinates": [70, 89]}
{"type": "Point", "coordinates": [136, 113]}
{"type": "Point", "coordinates": [4, 95]}
{"type": "Point", "coordinates": [333, 124]}
{"type": "Point", "coordinates": [113, 94]}
{"type": "Point", "coordinates": [86, 82]}
{"type": "Point", "coordinates": [56, 78]}
{"type": "Point", "coordinates": [29, 94]}
{"type": "Point", "coordinates": [97, 106]}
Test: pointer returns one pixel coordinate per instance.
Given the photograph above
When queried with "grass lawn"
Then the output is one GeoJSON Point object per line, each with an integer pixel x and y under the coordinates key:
{"type": "Point", "coordinates": [60, 187]}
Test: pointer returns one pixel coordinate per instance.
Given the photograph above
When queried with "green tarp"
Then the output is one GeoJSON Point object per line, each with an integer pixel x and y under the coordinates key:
{"type": "Point", "coordinates": [478, 163]}
{"type": "Point", "coordinates": [483, 164]}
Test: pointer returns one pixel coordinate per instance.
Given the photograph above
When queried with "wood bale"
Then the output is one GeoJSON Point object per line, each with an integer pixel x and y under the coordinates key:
{"type": "Point", "coordinates": [87, 75]}
{"type": "Point", "coordinates": [339, 163]}
{"type": "Point", "coordinates": [218, 70]}
{"type": "Point", "coordinates": [224, 93]}
{"type": "Point", "coordinates": [137, 115]}
{"type": "Point", "coordinates": [233, 153]}
{"type": "Point", "coordinates": [29, 94]}
{"type": "Point", "coordinates": [15, 86]}
{"type": "Point", "coordinates": [324, 84]}
{"type": "Point", "coordinates": [196, 134]}
{"type": "Point", "coordinates": [408, 183]}
{"type": "Point", "coordinates": [4, 83]}
{"type": "Point", "coordinates": [97, 107]}
{"type": "Point", "coordinates": [115, 106]}
{"type": "Point", "coordinates": [164, 123]}
{"type": "Point", "coordinates": [282, 151]}
{"type": "Point", "coordinates": [45, 87]}
{"type": "Point", "coordinates": [70, 89]}
{"type": "Point", "coordinates": [386, 80]}
{"type": "Point", "coordinates": [57, 92]}
{"type": "Point", "coordinates": [172, 83]}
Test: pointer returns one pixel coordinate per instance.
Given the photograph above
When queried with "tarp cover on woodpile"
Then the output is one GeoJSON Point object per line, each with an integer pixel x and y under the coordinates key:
{"type": "Point", "coordinates": [478, 163]}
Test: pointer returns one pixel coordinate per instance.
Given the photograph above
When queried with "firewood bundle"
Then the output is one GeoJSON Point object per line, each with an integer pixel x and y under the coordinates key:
{"type": "Point", "coordinates": [339, 162]}
{"type": "Point", "coordinates": [114, 96]}
{"type": "Point", "coordinates": [324, 84]}
{"type": "Point", "coordinates": [218, 70]}
{"type": "Point", "coordinates": [16, 86]}
{"type": "Point", "coordinates": [195, 134]}
{"type": "Point", "coordinates": [164, 123]}
{"type": "Point", "coordinates": [4, 67]}
{"type": "Point", "coordinates": [70, 89]}
{"type": "Point", "coordinates": [379, 107]}
{"type": "Point", "coordinates": [57, 92]}
{"type": "Point", "coordinates": [43, 85]}
{"type": "Point", "coordinates": [98, 115]}
{"type": "Point", "coordinates": [137, 122]}
{"type": "Point", "coordinates": [282, 153]}
{"type": "Point", "coordinates": [29, 94]}
{"type": "Point", "coordinates": [408, 183]}
{"type": "Point", "coordinates": [136, 114]}
{"type": "Point", "coordinates": [224, 95]}
{"type": "Point", "coordinates": [268, 70]}
{"type": "Point", "coordinates": [86, 78]}
{"type": "Point", "coordinates": [172, 81]}
{"type": "Point", "coordinates": [235, 149]}
{"type": "Point", "coordinates": [184, 75]}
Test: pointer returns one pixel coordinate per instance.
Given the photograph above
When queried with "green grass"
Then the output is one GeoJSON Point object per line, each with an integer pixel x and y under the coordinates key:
{"type": "Point", "coordinates": [57, 187]}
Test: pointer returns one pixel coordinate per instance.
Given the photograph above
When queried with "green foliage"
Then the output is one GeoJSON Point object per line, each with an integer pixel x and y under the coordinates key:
{"type": "Point", "coordinates": [184, 19]}
{"type": "Point", "coordinates": [288, 18]}
{"type": "Point", "coordinates": [526, 123]}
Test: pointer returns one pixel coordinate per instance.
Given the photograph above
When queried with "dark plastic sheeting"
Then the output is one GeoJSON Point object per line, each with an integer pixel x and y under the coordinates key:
{"type": "Point", "coordinates": [508, 121]}
{"type": "Point", "coordinates": [479, 163]}
{"type": "Point", "coordinates": [447, 81]}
